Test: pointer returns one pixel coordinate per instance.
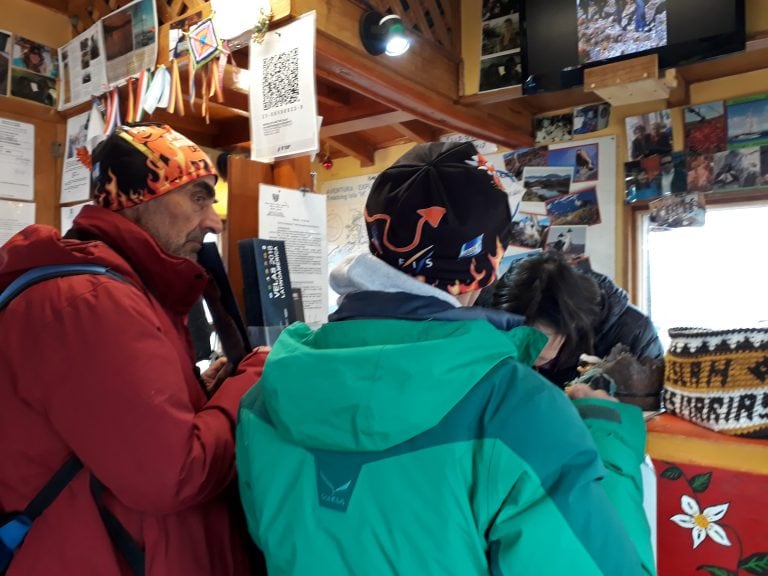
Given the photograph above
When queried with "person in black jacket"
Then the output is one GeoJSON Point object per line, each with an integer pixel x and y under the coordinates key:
{"type": "Point", "coordinates": [580, 313]}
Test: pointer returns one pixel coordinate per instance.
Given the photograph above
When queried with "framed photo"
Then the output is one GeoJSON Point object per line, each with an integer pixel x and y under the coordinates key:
{"type": "Point", "coordinates": [544, 183]}
{"type": "Point", "coordinates": [568, 240]}
{"type": "Point", "coordinates": [705, 127]}
{"type": "Point", "coordinates": [529, 230]}
{"type": "Point", "coordinates": [583, 159]}
{"type": "Point", "coordinates": [517, 160]}
{"type": "Point", "coordinates": [577, 209]}
{"type": "Point", "coordinates": [748, 122]}
{"type": "Point", "coordinates": [554, 128]}
{"type": "Point", "coordinates": [649, 134]}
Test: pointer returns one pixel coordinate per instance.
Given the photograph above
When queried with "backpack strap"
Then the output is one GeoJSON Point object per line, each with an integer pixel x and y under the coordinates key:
{"type": "Point", "coordinates": [13, 532]}
{"type": "Point", "coordinates": [42, 273]}
{"type": "Point", "coordinates": [15, 528]}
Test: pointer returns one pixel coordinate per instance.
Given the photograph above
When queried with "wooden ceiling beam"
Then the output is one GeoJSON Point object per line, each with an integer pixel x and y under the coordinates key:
{"type": "Point", "coordinates": [356, 146]}
{"type": "Point", "coordinates": [332, 95]}
{"type": "Point", "coordinates": [361, 124]}
{"type": "Point", "coordinates": [418, 131]}
{"type": "Point", "coordinates": [423, 81]}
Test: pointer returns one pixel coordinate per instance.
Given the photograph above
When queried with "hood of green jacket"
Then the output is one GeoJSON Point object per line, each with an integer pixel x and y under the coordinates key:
{"type": "Point", "coordinates": [365, 385]}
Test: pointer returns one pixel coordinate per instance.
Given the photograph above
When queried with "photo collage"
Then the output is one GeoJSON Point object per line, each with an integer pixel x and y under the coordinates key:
{"type": "Point", "coordinates": [28, 70]}
{"type": "Point", "coordinates": [562, 127]}
{"type": "Point", "coordinates": [725, 148]}
{"type": "Point", "coordinates": [560, 198]}
{"type": "Point", "coordinates": [501, 59]}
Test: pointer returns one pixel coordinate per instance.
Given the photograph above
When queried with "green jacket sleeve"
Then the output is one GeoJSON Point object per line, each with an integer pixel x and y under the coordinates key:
{"type": "Point", "coordinates": [555, 515]}
{"type": "Point", "coordinates": [619, 434]}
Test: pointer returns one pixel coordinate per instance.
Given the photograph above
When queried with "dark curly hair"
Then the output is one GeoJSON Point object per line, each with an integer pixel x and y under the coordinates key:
{"type": "Point", "coordinates": [545, 288]}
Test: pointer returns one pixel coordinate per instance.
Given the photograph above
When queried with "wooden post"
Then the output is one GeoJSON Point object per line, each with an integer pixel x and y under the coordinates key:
{"type": "Point", "coordinates": [245, 177]}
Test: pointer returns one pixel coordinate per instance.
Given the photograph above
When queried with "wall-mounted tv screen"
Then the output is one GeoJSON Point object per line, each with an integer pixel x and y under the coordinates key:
{"type": "Point", "coordinates": [562, 37]}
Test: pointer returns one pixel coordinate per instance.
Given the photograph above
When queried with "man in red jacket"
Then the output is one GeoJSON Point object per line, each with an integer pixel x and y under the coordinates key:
{"type": "Point", "coordinates": [103, 369]}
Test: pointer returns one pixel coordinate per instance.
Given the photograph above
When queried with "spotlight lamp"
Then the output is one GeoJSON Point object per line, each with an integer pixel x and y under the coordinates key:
{"type": "Point", "coordinates": [383, 34]}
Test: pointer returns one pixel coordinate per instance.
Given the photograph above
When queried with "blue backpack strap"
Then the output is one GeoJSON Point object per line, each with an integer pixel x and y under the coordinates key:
{"type": "Point", "coordinates": [15, 526]}
{"type": "Point", "coordinates": [42, 273]}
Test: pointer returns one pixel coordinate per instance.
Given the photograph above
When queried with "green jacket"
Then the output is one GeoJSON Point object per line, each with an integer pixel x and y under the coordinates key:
{"type": "Point", "coordinates": [429, 447]}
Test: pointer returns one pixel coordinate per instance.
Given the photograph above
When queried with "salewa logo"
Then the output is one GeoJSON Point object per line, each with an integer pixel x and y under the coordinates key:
{"type": "Point", "coordinates": [335, 496]}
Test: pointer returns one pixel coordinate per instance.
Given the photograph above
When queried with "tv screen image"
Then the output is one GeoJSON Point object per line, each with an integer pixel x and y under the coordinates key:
{"type": "Point", "coordinates": [563, 37]}
{"type": "Point", "coordinates": [610, 28]}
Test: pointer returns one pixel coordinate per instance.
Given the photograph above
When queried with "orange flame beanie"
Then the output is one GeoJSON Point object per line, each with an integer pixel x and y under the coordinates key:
{"type": "Point", "coordinates": [140, 162]}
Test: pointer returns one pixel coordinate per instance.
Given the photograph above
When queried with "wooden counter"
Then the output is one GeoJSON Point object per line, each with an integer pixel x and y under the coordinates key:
{"type": "Point", "coordinates": [715, 485]}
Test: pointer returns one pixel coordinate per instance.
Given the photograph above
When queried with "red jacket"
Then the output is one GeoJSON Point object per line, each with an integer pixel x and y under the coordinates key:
{"type": "Point", "coordinates": [104, 369]}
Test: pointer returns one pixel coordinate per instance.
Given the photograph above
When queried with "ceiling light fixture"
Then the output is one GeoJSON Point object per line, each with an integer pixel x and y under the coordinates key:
{"type": "Point", "coordinates": [382, 34]}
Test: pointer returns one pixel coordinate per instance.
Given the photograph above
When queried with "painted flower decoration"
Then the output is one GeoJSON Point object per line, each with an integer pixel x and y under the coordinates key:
{"type": "Point", "coordinates": [702, 523]}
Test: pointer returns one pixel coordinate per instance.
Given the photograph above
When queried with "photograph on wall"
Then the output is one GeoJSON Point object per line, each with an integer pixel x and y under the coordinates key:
{"type": "Point", "coordinates": [568, 240]}
{"type": "Point", "coordinates": [500, 71]}
{"type": "Point", "coordinates": [610, 28]}
{"type": "Point", "coordinates": [5, 61]}
{"type": "Point", "coordinates": [516, 160]}
{"type": "Point", "coordinates": [649, 134]}
{"type": "Point", "coordinates": [34, 87]}
{"type": "Point", "coordinates": [591, 118]}
{"type": "Point", "coordinates": [577, 209]}
{"type": "Point", "coordinates": [5, 42]}
{"type": "Point", "coordinates": [738, 168]}
{"type": "Point", "coordinates": [501, 34]}
{"type": "Point", "coordinates": [678, 210]}
{"type": "Point", "coordinates": [493, 9]}
{"type": "Point", "coordinates": [748, 121]}
{"type": "Point", "coordinates": [546, 182]}
{"type": "Point", "coordinates": [673, 175]}
{"type": "Point", "coordinates": [641, 179]}
{"type": "Point", "coordinates": [553, 128]}
{"type": "Point", "coordinates": [705, 127]}
{"type": "Point", "coordinates": [33, 57]}
{"type": "Point", "coordinates": [764, 165]}
{"type": "Point", "coordinates": [529, 230]}
{"type": "Point", "coordinates": [701, 172]}
{"type": "Point", "coordinates": [130, 40]}
{"type": "Point", "coordinates": [583, 159]}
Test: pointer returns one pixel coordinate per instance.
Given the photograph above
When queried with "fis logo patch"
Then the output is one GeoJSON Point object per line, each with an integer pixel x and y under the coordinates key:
{"type": "Point", "coordinates": [472, 248]}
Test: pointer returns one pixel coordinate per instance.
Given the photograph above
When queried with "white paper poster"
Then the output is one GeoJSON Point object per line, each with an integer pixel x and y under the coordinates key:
{"type": "Point", "coordinates": [482, 146]}
{"type": "Point", "coordinates": [283, 103]}
{"type": "Point", "coordinates": [17, 160]}
{"type": "Point", "coordinates": [130, 40]}
{"type": "Point", "coordinates": [83, 69]}
{"type": "Point", "coordinates": [118, 46]}
{"type": "Point", "coordinates": [68, 215]}
{"type": "Point", "coordinates": [75, 176]}
{"type": "Point", "coordinates": [346, 226]}
{"type": "Point", "coordinates": [299, 219]}
{"type": "Point", "coordinates": [14, 217]}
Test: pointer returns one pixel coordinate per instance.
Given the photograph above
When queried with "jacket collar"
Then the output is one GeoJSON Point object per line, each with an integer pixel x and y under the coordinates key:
{"type": "Point", "coordinates": [176, 282]}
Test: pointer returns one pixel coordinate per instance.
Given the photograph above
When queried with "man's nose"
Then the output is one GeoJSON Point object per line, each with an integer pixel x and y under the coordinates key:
{"type": "Point", "coordinates": [211, 221]}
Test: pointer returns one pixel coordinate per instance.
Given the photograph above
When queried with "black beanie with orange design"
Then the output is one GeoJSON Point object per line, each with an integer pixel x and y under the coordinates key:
{"type": "Point", "coordinates": [440, 214]}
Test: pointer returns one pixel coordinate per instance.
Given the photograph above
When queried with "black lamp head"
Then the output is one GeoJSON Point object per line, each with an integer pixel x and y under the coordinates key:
{"type": "Point", "coordinates": [383, 34]}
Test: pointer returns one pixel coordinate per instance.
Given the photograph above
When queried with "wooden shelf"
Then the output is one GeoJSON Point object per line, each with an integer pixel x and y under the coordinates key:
{"type": "Point", "coordinates": [754, 57]}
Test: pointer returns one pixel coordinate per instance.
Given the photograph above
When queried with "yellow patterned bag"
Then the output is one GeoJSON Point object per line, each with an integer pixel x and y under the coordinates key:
{"type": "Point", "coordinates": [719, 379]}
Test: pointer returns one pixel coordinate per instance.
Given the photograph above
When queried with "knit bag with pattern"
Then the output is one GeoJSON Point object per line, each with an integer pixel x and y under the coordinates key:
{"type": "Point", "coordinates": [719, 379]}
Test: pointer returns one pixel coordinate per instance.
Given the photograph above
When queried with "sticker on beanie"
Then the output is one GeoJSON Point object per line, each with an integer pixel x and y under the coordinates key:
{"type": "Point", "coordinates": [472, 248]}
{"type": "Point", "coordinates": [719, 379]}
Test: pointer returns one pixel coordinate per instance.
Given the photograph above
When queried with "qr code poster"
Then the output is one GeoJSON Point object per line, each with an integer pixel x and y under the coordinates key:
{"type": "Point", "coordinates": [282, 96]}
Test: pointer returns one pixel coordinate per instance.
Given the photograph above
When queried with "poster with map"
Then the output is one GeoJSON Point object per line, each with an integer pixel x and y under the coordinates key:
{"type": "Point", "coordinates": [346, 225]}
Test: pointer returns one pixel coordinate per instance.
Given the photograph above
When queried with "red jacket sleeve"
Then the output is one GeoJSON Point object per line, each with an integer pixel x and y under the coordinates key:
{"type": "Point", "coordinates": [109, 375]}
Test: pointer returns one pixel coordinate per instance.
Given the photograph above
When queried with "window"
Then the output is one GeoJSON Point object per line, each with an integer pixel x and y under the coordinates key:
{"type": "Point", "coordinates": [712, 276]}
